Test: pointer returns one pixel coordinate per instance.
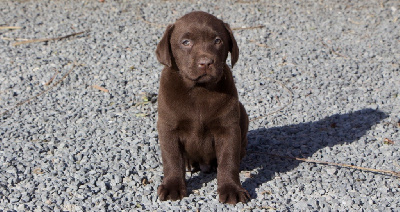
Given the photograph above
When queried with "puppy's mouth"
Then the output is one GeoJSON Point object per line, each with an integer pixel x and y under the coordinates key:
{"type": "Point", "coordinates": [203, 78]}
{"type": "Point", "coordinates": [210, 74]}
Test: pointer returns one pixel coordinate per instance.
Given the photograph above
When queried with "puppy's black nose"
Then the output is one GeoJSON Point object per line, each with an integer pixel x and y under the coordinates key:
{"type": "Point", "coordinates": [204, 63]}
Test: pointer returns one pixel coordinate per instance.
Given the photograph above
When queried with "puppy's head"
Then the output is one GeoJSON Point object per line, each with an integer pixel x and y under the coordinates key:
{"type": "Point", "coordinates": [198, 45]}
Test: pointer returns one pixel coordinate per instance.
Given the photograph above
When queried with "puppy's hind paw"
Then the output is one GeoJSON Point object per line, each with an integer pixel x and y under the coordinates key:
{"type": "Point", "coordinates": [171, 192]}
{"type": "Point", "coordinates": [233, 194]}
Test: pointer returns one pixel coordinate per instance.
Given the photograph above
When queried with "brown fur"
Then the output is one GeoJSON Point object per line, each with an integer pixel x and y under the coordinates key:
{"type": "Point", "coordinates": [201, 122]}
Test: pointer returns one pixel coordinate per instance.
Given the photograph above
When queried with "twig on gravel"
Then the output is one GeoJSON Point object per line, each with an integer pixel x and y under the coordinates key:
{"type": "Point", "coordinates": [247, 2]}
{"type": "Point", "coordinates": [355, 22]}
{"type": "Point", "coordinates": [10, 27]}
{"type": "Point", "coordinates": [250, 27]}
{"type": "Point", "coordinates": [260, 207]}
{"type": "Point", "coordinates": [381, 4]}
{"type": "Point", "coordinates": [140, 17]}
{"type": "Point", "coordinates": [391, 173]}
{"type": "Point", "coordinates": [284, 106]}
{"type": "Point", "coordinates": [142, 114]}
{"type": "Point", "coordinates": [100, 88]}
{"type": "Point", "coordinates": [263, 45]}
{"type": "Point", "coordinates": [333, 51]}
{"type": "Point", "coordinates": [41, 93]}
{"type": "Point", "coordinates": [51, 79]}
{"type": "Point", "coordinates": [388, 141]}
{"type": "Point", "coordinates": [49, 39]}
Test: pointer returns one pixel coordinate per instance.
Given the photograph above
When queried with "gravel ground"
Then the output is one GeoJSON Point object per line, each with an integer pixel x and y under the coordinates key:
{"type": "Point", "coordinates": [320, 81]}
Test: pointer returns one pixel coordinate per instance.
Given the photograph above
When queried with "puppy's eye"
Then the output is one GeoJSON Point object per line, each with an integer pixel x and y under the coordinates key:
{"type": "Point", "coordinates": [217, 41]}
{"type": "Point", "coordinates": [186, 42]}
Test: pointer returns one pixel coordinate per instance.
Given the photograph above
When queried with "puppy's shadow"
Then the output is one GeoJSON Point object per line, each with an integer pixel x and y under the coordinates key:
{"type": "Point", "coordinates": [299, 140]}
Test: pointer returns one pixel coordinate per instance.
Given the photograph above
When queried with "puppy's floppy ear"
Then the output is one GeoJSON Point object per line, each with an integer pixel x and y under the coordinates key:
{"type": "Point", "coordinates": [233, 47]}
{"type": "Point", "coordinates": [163, 51]}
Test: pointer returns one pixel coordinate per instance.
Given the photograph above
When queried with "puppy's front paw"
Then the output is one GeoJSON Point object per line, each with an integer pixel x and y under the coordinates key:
{"type": "Point", "coordinates": [233, 194]}
{"type": "Point", "coordinates": [171, 191]}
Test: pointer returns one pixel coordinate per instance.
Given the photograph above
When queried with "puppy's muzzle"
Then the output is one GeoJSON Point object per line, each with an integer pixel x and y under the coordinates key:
{"type": "Point", "coordinates": [204, 63]}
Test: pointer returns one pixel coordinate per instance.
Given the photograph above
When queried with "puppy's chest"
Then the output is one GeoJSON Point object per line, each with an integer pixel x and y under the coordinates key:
{"type": "Point", "coordinates": [198, 124]}
{"type": "Point", "coordinates": [197, 139]}
{"type": "Point", "coordinates": [202, 116]}
{"type": "Point", "coordinates": [203, 106]}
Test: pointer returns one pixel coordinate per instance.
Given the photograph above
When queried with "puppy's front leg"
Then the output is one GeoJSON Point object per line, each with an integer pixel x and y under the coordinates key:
{"type": "Point", "coordinates": [228, 144]}
{"type": "Point", "coordinates": [173, 186]}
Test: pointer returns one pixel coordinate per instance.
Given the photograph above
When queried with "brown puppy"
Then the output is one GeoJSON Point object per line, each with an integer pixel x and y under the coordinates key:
{"type": "Point", "coordinates": [201, 122]}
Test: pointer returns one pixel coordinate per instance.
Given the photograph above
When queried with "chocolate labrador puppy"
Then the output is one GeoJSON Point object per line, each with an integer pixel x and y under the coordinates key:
{"type": "Point", "coordinates": [201, 123]}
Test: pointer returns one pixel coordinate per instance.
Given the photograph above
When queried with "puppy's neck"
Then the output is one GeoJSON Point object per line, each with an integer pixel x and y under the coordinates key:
{"type": "Point", "coordinates": [190, 84]}
{"type": "Point", "coordinates": [208, 86]}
